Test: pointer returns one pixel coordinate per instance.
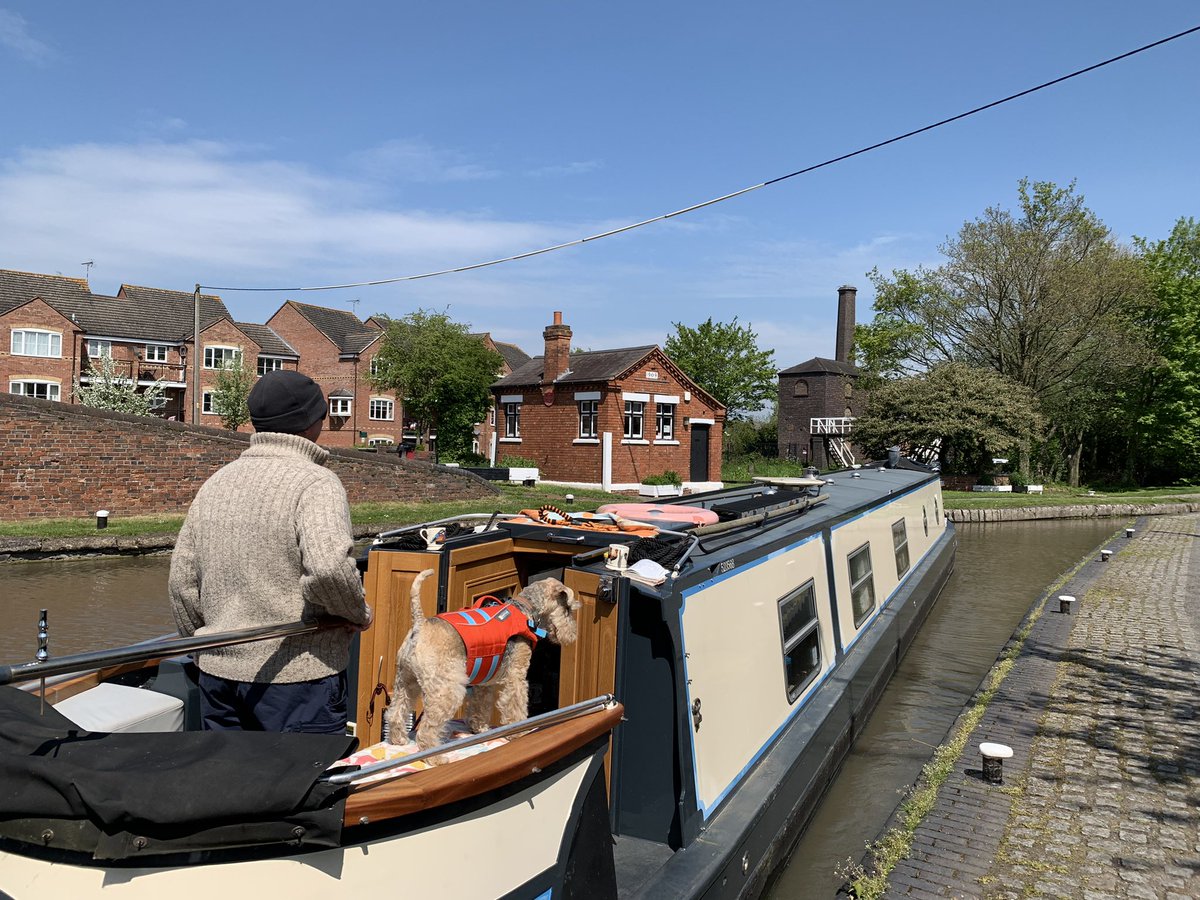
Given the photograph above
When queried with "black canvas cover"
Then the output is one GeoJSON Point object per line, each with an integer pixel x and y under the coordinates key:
{"type": "Point", "coordinates": [121, 795]}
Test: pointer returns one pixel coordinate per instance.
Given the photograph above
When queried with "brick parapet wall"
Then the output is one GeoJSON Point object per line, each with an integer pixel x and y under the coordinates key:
{"type": "Point", "coordinates": [63, 461]}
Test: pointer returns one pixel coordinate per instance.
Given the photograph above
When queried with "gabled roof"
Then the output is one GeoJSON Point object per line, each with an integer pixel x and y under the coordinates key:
{"type": "Point", "coordinates": [341, 326]}
{"type": "Point", "coordinates": [818, 365]}
{"type": "Point", "coordinates": [19, 287]}
{"type": "Point", "coordinates": [590, 366]}
{"type": "Point", "coordinates": [146, 314]}
{"type": "Point", "coordinates": [267, 340]}
{"type": "Point", "coordinates": [513, 355]}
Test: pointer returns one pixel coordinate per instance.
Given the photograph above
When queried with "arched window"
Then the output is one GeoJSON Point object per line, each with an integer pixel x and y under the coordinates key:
{"type": "Point", "coordinates": [801, 389]}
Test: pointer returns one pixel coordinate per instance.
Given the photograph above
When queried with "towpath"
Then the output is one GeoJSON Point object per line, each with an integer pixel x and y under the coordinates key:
{"type": "Point", "coordinates": [1101, 708]}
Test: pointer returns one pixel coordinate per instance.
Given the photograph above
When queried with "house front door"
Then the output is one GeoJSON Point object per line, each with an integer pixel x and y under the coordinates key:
{"type": "Point", "coordinates": [699, 465]}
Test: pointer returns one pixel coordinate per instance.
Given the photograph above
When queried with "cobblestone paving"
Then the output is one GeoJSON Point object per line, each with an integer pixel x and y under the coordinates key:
{"type": "Point", "coordinates": [1102, 709]}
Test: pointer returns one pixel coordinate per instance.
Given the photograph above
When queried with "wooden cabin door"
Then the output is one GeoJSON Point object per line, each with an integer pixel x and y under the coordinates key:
{"type": "Point", "coordinates": [388, 582]}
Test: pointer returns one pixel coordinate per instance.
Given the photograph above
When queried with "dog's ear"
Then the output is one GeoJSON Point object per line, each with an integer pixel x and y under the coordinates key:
{"type": "Point", "coordinates": [565, 597]}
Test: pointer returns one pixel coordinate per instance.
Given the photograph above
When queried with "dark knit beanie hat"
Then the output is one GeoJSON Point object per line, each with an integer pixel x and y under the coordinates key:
{"type": "Point", "coordinates": [285, 401]}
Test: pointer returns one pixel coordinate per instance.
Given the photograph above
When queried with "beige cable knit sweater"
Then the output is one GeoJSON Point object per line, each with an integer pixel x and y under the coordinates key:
{"type": "Point", "coordinates": [268, 541]}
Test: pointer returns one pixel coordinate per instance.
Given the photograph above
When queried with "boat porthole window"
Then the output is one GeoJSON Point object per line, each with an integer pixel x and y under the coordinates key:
{"type": "Point", "coordinates": [862, 583]}
{"type": "Point", "coordinates": [801, 636]}
{"type": "Point", "coordinates": [900, 545]}
{"type": "Point", "coordinates": [925, 517]}
{"type": "Point", "coordinates": [937, 512]}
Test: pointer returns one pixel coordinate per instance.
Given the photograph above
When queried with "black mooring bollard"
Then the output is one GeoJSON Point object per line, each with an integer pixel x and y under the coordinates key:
{"type": "Point", "coordinates": [102, 518]}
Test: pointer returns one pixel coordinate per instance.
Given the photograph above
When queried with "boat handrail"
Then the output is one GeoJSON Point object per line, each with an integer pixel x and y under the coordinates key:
{"type": "Point", "coordinates": [147, 650]}
{"type": "Point", "coordinates": [553, 717]}
{"type": "Point", "coordinates": [396, 532]}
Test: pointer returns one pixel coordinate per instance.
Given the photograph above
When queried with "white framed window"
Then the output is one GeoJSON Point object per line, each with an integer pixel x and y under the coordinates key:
{"type": "Point", "coordinates": [36, 342]}
{"type": "Point", "coordinates": [588, 413]}
{"type": "Point", "coordinates": [512, 420]}
{"type": "Point", "coordinates": [801, 637]}
{"type": "Point", "coordinates": [900, 543]}
{"type": "Point", "coordinates": [340, 406]}
{"type": "Point", "coordinates": [155, 353]}
{"type": "Point", "coordinates": [383, 441]}
{"type": "Point", "coordinates": [382, 409]}
{"type": "Point", "coordinates": [269, 364]}
{"type": "Point", "coordinates": [97, 348]}
{"type": "Point", "coordinates": [221, 357]}
{"type": "Point", "coordinates": [43, 390]}
{"type": "Point", "coordinates": [158, 402]}
{"type": "Point", "coordinates": [664, 422]}
{"type": "Point", "coordinates": [635, 415]}
{"type": "Point", "coordinates": [492, 415]}
{"type": "Point", "coordinates": [862, 583]}
{"type": "Point", "coordinates": [206, 402]}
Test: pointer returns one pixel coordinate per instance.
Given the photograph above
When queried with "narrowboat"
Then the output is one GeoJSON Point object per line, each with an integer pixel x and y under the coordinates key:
{"type": "Point", "coordinates": [730, 648]}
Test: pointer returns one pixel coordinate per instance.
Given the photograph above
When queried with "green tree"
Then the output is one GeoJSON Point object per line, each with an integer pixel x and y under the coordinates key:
{"type": "Point", "coordinates": [962, 415]}
{"type": "Point", "coordinates": [106, 389]}
{"type": "Point", "coordinates": [1164, 403]}
{"type": "Point", "coordinates": [230, 392]}
{"type": "Point", "coordinates": [1043, 296]}
{"type": "Point", "coordinates": [442, 374]}
{"type": "Point", "coordinates": [723, 358]}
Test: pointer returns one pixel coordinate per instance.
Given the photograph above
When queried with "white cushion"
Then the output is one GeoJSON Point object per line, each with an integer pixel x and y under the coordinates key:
{"type": "Point", "coordinates": [118, 708]}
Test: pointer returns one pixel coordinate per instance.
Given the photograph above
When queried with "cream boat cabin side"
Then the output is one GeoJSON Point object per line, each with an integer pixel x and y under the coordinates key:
{"type": "Point", "coordinates": [745, 634]}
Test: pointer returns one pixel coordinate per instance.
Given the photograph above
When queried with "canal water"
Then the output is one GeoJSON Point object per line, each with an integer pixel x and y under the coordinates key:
{"type": "Point", "coordinates": [1001, 569]}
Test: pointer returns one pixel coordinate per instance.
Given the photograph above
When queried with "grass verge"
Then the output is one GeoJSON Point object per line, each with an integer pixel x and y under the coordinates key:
{"type": "Point", "coordinates": [382, 516]}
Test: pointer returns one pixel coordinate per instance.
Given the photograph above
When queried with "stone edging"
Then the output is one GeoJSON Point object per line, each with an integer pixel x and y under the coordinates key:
{"type": "Point", "coordinates": [1083, 511]}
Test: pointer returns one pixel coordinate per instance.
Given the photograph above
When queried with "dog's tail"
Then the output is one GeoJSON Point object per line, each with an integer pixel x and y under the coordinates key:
{"type": "Point", "coordinates": [414, 599]}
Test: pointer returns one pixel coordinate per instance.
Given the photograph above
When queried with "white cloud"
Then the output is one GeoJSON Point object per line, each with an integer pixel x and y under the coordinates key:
{"type": "Point", "coordinates": [414, 160]}
{"type": "Point", "coordinates": [204, 209]}
{"type": "Point", "coordinates": [14, 34]}
{"type": "Point", "coordinates": [567, 169]}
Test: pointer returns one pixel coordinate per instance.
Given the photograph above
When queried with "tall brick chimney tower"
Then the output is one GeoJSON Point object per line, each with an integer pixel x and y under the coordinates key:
{"type": "Point", "coordinates": [557, 357]}
{"type": "Point", "coordinates": [845, 323]}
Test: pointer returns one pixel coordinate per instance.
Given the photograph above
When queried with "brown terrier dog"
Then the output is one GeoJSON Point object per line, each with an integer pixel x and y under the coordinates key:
{"type": "Point", "coordinates": [433, 662]}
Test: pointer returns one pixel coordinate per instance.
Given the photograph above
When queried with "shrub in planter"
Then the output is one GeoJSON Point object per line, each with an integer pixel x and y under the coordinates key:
{"type": "Point", "coordinates": [517, 462]}
{"type": "Point", "coordinates": [668, 477]}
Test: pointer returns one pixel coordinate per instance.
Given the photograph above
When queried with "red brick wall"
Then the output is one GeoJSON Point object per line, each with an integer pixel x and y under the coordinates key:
{"type": "Point", "coordinates": [222, 334]}
{"type": "Point", "coordinates": [62, 461]}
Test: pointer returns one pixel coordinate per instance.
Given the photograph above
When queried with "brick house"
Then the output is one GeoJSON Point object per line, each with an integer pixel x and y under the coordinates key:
{"type": "Point", "coordinates": [514, 357]}
{"type": "Point", "coordinates": [52, 328]}
{"type": "Point", "coordinates": [817, 399]}
{"type": "Point", "coordinates": [336, 349]}
{"type": "Point", "coordinates": [607, 417]}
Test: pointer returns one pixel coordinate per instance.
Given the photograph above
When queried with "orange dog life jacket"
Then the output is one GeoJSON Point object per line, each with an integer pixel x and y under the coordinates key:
{"type": "Point", "coordinates": [485, 628]}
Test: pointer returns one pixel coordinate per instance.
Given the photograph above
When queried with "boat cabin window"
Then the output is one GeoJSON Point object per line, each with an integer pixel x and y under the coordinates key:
{"type": "Point", "coordinates": [925, 519]}
{"type": "Point", "coordinates": [862, 583]}
{"type": "Point", "coordinates": [900, 543]}
{"type": "Point", "coordinates": [937, 513]}
{"type": "Point", "coordinates": [801, 639]}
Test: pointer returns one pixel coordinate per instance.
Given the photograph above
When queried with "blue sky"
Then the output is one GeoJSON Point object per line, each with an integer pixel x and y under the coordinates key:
{"type": "Point", "coordinates": [274, 144]}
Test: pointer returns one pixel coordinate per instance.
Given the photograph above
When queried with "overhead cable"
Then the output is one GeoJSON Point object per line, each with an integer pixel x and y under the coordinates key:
{"type": "Point", "coordinates": [724, 197]}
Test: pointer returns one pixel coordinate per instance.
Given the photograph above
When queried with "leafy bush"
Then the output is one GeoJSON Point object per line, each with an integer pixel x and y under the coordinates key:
{"type": "Point", "coordinates": [668, 477]}
{"type": "Point", "coordinates": [464, 458]}
{"type": "Point", "coordinates": [517, 462]}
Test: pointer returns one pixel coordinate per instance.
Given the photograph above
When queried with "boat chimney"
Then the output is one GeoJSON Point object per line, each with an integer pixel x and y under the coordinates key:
{"type": "Point", "coordinates": [893, 457]}
{"type": "Point", "coordinates": [557, 358]}
{"type": "Point", "coordinates": [845, 323]}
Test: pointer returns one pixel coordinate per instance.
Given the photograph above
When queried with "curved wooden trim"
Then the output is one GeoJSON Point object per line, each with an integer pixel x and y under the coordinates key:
{"type": "Point", "coordinates": [520, 757]}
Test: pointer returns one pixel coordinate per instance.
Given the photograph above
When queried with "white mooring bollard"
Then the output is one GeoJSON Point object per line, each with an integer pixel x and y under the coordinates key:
{"type": "Point", "coordinates": [1064, 603]}
{"type": "Point", "coordinates": [1128, 532]}
{"type": "Point", "coordinates": [1105, 555]}
{"type": "Point", "coordinates": [993, 761]}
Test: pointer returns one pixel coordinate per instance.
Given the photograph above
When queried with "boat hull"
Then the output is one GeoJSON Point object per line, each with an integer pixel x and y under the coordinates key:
{"type": "Point", "coordinates": [532, 840]}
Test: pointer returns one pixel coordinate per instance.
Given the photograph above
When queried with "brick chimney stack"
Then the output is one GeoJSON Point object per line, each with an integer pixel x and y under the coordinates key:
{"type": "Point", "coordinates": [845, 323]}
{"type": "Point", "coordinates": [557, 357]}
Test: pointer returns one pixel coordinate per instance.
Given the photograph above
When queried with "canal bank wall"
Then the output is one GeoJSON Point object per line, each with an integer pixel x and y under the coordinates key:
{"type": "Point", "coordinates": [1080, 511]}
{"type": "Point", "coordinates": [1098, 706]}
{"type": "Point", "coordinates": [64, 461]}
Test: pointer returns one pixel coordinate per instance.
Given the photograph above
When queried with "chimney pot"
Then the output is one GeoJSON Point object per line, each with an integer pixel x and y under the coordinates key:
{"type": "Point", "coordinates": [557, 317]}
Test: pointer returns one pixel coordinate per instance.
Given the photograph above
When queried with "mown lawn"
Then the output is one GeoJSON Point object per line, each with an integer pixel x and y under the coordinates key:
{"type": "Point", "coordinates": [1059, 495]}
{"type": "Point", "coordinates": [381, 516]}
